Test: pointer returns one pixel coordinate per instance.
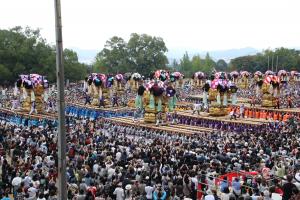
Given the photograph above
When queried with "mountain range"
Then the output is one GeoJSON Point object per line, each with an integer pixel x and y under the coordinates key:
{"type": "Point", "coordinates": [88, 55]}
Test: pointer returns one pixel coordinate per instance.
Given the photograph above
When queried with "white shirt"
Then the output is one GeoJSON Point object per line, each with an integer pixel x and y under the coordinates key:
{"type": "Point", "coordinates": [111, 172]}
{"type": "Point", "coordinates": [209, 197]}
{"type": "Point", "coordinates": [32, 191]}
{"type": "Point", "coordinates": [118, 156]}
{"type": "Point", "coordinates": [95, 168]}
{"type": "Point", "coordinates": [197, 106]}
{"type": "Point", "coordinates": [16, 181]}
{"type": "Point", "coordinates": [149, 191]}
{"type": "Point", "coordinates": [119, 192]}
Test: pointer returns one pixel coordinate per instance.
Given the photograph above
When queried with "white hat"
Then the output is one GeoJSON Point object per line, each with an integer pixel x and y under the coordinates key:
{"type": "Point", "coordinates": [128, 187]}
{"type": "Point", "coordinates": [261, 151]}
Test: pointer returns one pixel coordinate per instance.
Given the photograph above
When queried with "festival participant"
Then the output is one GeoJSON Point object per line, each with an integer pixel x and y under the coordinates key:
{"type": "Point", "coordinates": [246, 113]}
{"type": "Point", "coordinates": [14, 103]}
{"type": "Point", "coordinates": [115, 100]}
{"type": "Point", "coordinates": [197, 108]}
{"type": "Point", "coordinates": [252, 102]}
{"type": "Point", "coordinates": [250, 113]}
{"type": "Point", "coordinates": [289, 102]}
{"type": "Point", "coordinates": [277, 105]}
{"type": "Point", "coordinates": [257, 114]}
{"type": "Point", "coordinates": [242, 111]}
{"type": "Point", "coordinates": [50, 106]}
{"type": "Point", "coordinates": [288, 188]}
{"type": "Point", "coordinates": [87, 99]}
{"type": "Point", "coordinates": [33, 108]}
{"type": "Point", "coordinates": [159, 119]}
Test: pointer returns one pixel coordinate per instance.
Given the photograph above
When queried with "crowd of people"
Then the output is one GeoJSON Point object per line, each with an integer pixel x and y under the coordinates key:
{"type": "Point", "coordinates": [112, 160]}
{"type": "Point", "coordinates": [109, 160]}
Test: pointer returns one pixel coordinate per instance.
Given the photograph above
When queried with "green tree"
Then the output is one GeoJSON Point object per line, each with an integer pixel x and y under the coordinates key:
{"type": "Point", "coordinates": [209, 64]}
{"type": "Point", "coordinates": [146, 53]}
{"type": "Point", "coordinates": [197, 63]}
{"type": "Point", "coordinates": [5, 75]}
{"type": "Point", "coordinates": [114, 55]}
{"type": "Point", "coordinates": [24, 51]}
{"type": "Point", "coordinates": [186, 65]}
{"type": "Point", "coordinates": [221, 65]}
{"type": "Point", "coordinates": [288, 59]}
{"type": "Point", "coordinates": [73, 69]}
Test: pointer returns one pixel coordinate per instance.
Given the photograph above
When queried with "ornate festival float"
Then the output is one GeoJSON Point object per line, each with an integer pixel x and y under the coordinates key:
{"type": "Point", "coordinates": [135, 78]}
{"type": "Point", "coordinates": [198, 79]}
{"type": "Point", "coordinates": [283, 76]}
{"type": "Point", "coordinates": [32, 89]}
{"type": "Point", "coordinates": [244, 80]}
{"type": "Point", "coordinates": [218, 92]}
{"type": "Point", "coordinates": [234, 76]}
{"type": "Point", "coordinates": [156, 96]}
{"type": "Point", "coordinates": [177, 79]}
{"type": "Point", "coordinates": [258, 80]}
{"type": "Point", "coordinates": [98, 88]}
{"type": "Point", "coordinates": [270, 89]}
{"type": "Point", "coordinates": [294, 76]}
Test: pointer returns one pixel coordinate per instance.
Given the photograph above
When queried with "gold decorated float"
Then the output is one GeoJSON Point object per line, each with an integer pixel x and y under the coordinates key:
{"type": "Point", "coordinates": [32, 90]}
{"type": "Point", "coordinates": [270, 90]}
{"type": "Point", "coordinates": [156, 97]}
{"type": "Point", "coordinates": [198, 79]}
{"type": "Point", "coordinates": [244, 80]}
{"type": "Point", "coordinates": [218, 95]}
{"type": "Point", "coordinates": [98, 88]}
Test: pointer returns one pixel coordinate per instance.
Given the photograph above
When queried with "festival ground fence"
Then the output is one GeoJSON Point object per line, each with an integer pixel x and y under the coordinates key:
{"type": "Point", "coordinates": [21, 118]}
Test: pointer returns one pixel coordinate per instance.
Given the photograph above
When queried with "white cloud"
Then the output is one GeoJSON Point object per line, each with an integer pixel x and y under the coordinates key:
{"type": "Point", "coordinates": [197, 24]}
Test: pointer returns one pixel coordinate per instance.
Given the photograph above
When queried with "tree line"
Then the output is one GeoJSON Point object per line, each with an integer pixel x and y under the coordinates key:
{"type": "Point", "coordinates": [275, 60]}
{"type": "Point", "coordinates": [141, 53]}
{"type": "Point", "coordinates": [24, 51]}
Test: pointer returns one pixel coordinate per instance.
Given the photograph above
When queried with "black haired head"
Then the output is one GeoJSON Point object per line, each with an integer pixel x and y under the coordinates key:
{"type": "Point", "coordinates": [28, 85]}
{"type": "Point", "coordinates": [260, 83]}
{"type": "Point", "coordinates": [97, 82]}
{"type": "Point", "coordinates": [141, 90]}
{"type": "Point", "coordinates": [19, 83]}
{"type": "Point", "coordinates": [206, 87]}
{"type": "Point", "coordinates": [90, 81]}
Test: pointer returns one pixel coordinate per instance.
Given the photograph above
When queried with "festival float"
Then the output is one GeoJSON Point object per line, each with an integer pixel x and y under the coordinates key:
{"type": "Point", "coordinates": [177, 78]}
{"type": "Point", "coordinates": [283, 76]}
{"type": "Point", "coordinates": [258, 80]}
{"type": "Point", "coordinates": [218, 94]}
{"type": "Point", "coordinates": [198, 78]}
{"type": "Point", "coordinates": [270, 90]}
{"type": "Point", "coordinates": [118, 84]}
{"type": "Point", "coordinates": [96, 84]}
{"type": "Point", "coordinates": [134, 80]}
{"type": "Point", "coordinates": [234, 76]}
{"type": "Point", "coordinates": [156, 96]}
{"type": "Point", "coordinates": [294, 76]}
{"type": "Point", "coordinates": [32, 89]}
{"type": "Point", "coordinates": [269, 72]}
{"type": "Point", "coordinates": [244, 80]}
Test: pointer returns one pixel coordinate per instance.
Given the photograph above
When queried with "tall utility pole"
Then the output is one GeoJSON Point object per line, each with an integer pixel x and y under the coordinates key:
{"type": "Point", "coordinates": [62, 182]}
{"type": "Point", "coordinates": [272, 62]}
{"type": "Point", "coordinates": [268, 62]}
